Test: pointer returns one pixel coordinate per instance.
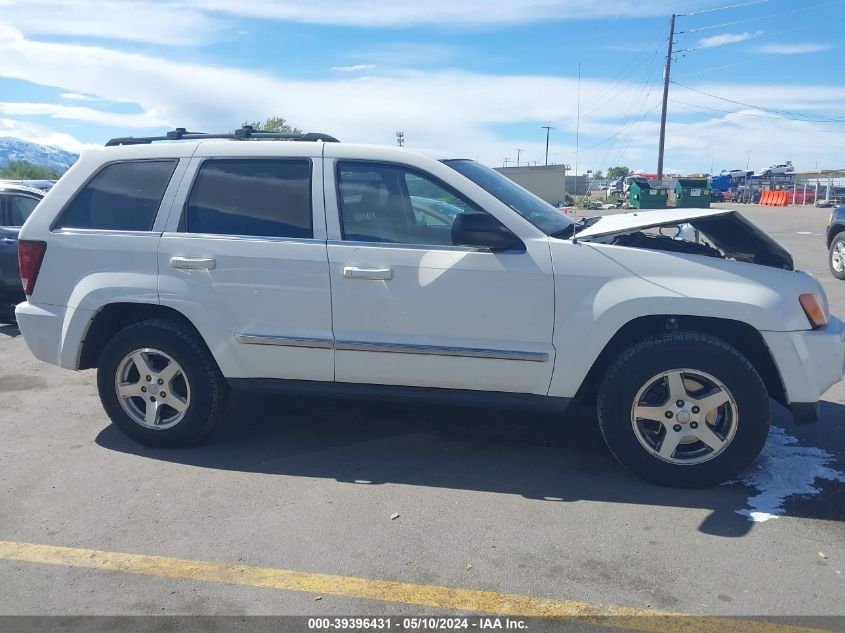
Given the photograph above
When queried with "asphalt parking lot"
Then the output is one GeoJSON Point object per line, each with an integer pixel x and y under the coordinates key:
{"type": "Point", "coordinates": [506, 501]}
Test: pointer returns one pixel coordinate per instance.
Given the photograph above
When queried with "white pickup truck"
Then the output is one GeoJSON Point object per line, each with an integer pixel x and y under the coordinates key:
{"type": "Point", "coordinates": [179, 269]}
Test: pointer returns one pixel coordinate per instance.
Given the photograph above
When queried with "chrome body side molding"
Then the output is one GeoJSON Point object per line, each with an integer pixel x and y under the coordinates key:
{"type": "Point", "coordinates": [440, 350]}
{"type": "Point", "coordinates": [284, 341]}
{"type": "Point", "coordinates": [395, 348]}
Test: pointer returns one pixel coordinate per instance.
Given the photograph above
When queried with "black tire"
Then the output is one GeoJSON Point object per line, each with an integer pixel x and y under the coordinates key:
{"type": "Point", "coordinates": [838, 241]}
{"type": "Point", "coordinates": [208, 388]}
{"type": "Point", "coordinates": [7, 314]}
{"type": "Point", "coordinates": [633, 369]}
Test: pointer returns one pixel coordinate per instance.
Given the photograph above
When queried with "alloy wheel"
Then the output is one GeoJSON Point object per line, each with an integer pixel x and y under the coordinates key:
{"type": "Point", "coordinates": [837, 256]}
{"type": "Point", "coordinates": [684, 416]}
{"type": "Point", "coordinates": [152, 389]}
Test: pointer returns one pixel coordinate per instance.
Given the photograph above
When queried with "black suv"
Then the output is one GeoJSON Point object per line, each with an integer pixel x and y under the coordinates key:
{"type": "Point", "coordinates": [17, 201]}
{"type": "Point", "coordinates": [836, 242]}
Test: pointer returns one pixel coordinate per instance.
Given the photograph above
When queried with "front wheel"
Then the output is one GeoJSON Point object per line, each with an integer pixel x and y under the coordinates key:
{"type": "Point", "coordinates": [684, 409]}
{"type": "Point", "coordinates": [836, 256]}
{"type": "Point", "coordinates": [160, 385]}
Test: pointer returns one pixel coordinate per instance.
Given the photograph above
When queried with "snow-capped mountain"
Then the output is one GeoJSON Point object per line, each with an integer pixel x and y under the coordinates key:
{"type": "Point", "coordinates": [41, 155]}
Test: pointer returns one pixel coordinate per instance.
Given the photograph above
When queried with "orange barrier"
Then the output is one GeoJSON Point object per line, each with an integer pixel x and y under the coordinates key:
{"type": "Point", "coordinates": [769, 198]}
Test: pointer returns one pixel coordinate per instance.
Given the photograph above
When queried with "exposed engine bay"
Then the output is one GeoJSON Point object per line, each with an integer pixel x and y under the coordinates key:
{"type": "Point", "coordinates": [663, 242]}
{"type": "Point", "coordinates": [719, 233]}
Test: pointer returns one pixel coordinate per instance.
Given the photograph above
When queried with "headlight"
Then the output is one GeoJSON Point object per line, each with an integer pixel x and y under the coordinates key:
{"type": "Point", "coordinates": [816, 315]}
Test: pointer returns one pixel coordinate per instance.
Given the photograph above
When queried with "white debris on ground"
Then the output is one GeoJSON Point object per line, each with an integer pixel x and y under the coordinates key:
{"type": "Point", "coordinates": [785, 469]}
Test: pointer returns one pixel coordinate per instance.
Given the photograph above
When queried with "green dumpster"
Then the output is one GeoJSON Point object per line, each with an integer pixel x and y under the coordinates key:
{"type": "Point", "coordinates": [692, 192]}
{"type": "Point", "coordinates": [648, 194]}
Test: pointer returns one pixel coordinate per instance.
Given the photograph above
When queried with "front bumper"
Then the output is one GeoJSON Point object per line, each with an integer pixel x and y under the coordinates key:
{"type": "Point", "coordinates": [809, 362]}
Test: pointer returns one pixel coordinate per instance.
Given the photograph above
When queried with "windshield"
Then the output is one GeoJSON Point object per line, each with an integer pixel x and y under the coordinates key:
{"type": "Point", "coordinates": [541, 214]}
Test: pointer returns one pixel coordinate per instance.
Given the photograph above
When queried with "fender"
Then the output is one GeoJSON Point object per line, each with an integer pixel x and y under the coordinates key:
{"type": "Point", "coordinates": [597, 294]}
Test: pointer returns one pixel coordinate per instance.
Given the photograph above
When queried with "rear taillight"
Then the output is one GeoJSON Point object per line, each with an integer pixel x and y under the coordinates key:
{"type": "Point", "coordinates": [30, 256]}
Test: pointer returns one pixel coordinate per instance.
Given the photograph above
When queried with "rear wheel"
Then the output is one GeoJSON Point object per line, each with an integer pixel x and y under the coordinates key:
{"type": "Point", "coordinates": [836, 256]}
{"type": "Point", "coordinates": [7, 313]}
{"type": "Point", "coordinates": [160, 385]}
{"type": "Point", "coordinates": [685, 409]}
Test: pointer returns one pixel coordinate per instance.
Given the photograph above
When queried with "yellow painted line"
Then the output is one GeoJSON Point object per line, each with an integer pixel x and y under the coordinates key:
{"type": "Point", "coordinates": [449, 598]}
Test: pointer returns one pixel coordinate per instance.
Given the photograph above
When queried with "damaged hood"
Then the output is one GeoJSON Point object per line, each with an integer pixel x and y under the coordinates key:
{"type": "Point", "coordinates": [726, 229]}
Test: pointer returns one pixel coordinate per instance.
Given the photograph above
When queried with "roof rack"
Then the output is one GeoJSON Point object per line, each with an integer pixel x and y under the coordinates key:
{"type": "Point", "coordinates": [244, 133]}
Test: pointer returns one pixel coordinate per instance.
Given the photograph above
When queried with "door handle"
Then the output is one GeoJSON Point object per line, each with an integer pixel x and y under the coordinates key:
{"type": "Point", "coordinates": [7, 240]}
{"type": "Point", "coordinates": [354, 272]}
{"type": "Point", "coordinates": [193, 263]}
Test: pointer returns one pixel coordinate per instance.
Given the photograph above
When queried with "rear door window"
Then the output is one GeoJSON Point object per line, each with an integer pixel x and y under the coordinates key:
{"type": "Point", "coordinates": [121, 197]}
{"type": "Point", "coordinates": [19, 208]}
{"type": "Point", "coordinates": [251, 197]}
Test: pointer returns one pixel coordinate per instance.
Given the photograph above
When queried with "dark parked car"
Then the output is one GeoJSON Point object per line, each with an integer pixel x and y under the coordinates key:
{"type": "Point", "coordinates": [16, 203]}
{"type": "Point", "coordinates": [836, 242]}
{"type": "Point", "coordinates": [717, 195]}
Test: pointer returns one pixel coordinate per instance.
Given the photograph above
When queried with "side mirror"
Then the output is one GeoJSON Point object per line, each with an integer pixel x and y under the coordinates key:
{"type": "Point", "coordinates": [483, 231]}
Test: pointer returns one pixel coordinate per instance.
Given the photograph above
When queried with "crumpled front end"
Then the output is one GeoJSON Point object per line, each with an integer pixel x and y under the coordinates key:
{"type": "Point", "coordinates": [719, 233]}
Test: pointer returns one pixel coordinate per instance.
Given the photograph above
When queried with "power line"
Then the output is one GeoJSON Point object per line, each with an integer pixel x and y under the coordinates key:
{"type": "Point", "coordinates": [646, 91]}
{"type": "Point", "coordinates": [758, 116]}
{"type": "Point", "coordinates": [627, 71]}
{"type": "Point", "coordinates": [708, 70]}
{"type": "Point", "coordinates": [795, 113]}
{"type": "Point", "coordinates": [751, 36]}
{"type": "Point", "coordinates": [762, 17]}
{"type": "Point", "coordinates": [730, 6]}
{"type": "Point", "coordinates": [621, 130]}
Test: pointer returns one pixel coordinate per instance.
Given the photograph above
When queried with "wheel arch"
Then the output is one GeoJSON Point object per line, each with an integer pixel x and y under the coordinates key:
{"type": "Point", "coordinates": [113, 317]}
{"type": "Point", "coordinates": [835, 229]}
{"type": "Point", "coordinates": [744, 337]}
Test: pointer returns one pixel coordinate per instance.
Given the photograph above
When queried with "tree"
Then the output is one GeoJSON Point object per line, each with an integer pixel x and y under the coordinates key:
{"type": "Point", "coordinates": [617, 172]}
{"type": "Point", "coordinates": [23, 170]}
{"type": "Point", "coordinates": [275, 124]}
{"type": "Point", "coordinates": [598, 175]}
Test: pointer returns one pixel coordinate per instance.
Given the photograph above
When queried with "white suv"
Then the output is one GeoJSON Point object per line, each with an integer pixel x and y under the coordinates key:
{"type": "Point", "coordinates": [179, 269]}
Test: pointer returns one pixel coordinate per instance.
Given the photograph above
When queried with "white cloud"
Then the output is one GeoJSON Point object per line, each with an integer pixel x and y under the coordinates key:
{"type": "Point", "coordinates": [80, 113]}
{"type": "Point", "coordinates": [353, 69]}
{"type": "Point", "coordinates": [408, 54]}
{"type": "Point", "coordinates": [450, 13]}
{"type": "Point", "coordinates": [75, 96]}
{"type": "Point", "coordinates": [41, 134]}
{"type": "Point", "coordinates": [725, 38]}
{"type": "Point", "coordinates": [794, 49]}
{"type": "Point", "coordinates": [450, 110]}
{"type": "Point", "coordinates": [147, 21]}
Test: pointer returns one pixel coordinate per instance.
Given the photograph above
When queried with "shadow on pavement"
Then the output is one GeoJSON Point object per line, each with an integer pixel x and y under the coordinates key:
{"type": "Point", "coordinates": [504, 450]}
{"type": "Point", "coordinates": [9, 329]}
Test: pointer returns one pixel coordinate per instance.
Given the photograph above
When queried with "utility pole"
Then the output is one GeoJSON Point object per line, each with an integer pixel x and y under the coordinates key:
{"type": "Point", "coordinates": [566, 168]}
{"type": "Point", "coordinates": [548, 129]}
{"type": "Point", "coordinates": [518, 152]}
{"type": "Point", "coordinates": [578, 131]}
{"type": "Point", "coordinates": [667, 69]}
{"type": "Point", "coordinates": [505, 162]}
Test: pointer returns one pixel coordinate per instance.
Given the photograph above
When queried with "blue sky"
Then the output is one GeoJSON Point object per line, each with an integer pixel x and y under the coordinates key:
{"type": "Point", "coordinates": [758, 83]}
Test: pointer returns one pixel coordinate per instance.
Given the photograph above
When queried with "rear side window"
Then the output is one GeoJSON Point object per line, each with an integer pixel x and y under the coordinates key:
{"type": "Point", "coordinates": [121, 197]}
{"type": "Point", "coordinates": [255, 197]}
{"type": "Point", "coordinates": [20, 208]}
